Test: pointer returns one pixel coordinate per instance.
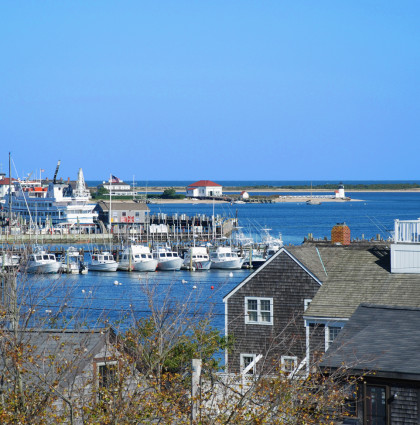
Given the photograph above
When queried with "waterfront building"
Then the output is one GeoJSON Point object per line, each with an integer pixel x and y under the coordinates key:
{"type": "Point", "coordinates": [339, 193]}
{"type": "Point", "coordinates": [204, 188]}
{"type": "Point", "coordinates": [116, 187]}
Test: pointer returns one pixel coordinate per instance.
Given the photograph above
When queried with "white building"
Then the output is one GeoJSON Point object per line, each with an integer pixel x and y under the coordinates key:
{"type": "Point", "coordinates": [117, 187]}
{"type": "Point", "coordinates": [339, 193]}
{"type": "Point", "coordinates": [244, 195]}
{"type": "Point", "coordinates": [204, 188]}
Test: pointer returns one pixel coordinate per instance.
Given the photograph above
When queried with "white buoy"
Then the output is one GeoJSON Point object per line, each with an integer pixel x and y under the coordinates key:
{"type": "Point", "coordinates": [194, 287]}
{"type": "Point", "coordinates": [115, 282]}
{"type": "Point", "coordinates": [83, 291]}
{"type": "Point", "coordinates": [230, 274]}
{"type": "Point", "coordinates": [184, 281]}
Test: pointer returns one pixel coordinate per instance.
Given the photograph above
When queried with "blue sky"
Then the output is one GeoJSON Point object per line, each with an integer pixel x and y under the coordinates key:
{"type": "Point", "coordinates": [251, 90]}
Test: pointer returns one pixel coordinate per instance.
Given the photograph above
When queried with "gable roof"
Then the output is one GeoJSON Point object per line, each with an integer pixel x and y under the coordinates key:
{"type": "Point", "coordinates": [73, 349]}
{"type": "Point", "coordinates": [378, 338]}
{"type": "Point", "coordinates": [304, 255]}
{"type": "Point", "coordinates": [361, 274]}
{"type": "Point", "coordinates": [203, 183]}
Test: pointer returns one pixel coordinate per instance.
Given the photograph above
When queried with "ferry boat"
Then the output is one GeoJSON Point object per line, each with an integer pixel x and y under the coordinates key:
{"type": "Point", "coordinates": [55, 204]}
{"type": "Point", "coordinates": [197, 258]}
{"type": "Point", "coordinates": [103, 262]}
{"type": "Point", "coordinates": [224, 258]}
{"type": "Point", "coordinates": [141, 259]}
{"type": "Point", "coordinates": [167, 259]}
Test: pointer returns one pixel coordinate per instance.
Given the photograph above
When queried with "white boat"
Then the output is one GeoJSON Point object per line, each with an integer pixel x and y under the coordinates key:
{"type": "Point", "coordinates": [197, 258]}
{"type": "Point", "coordinates": [57, 203]}
{"type": "Point", "coordinates": [141, 259]}
{"type": "Point", "coordinates": [42, 262]}
{"type": "Point", "coordinates": [103, 262]}
{"type": "Point", "coordinates": [73, 262]}
{"type": "Point", "coordinates": [167, 259]}
{"type": "Point", "coordinates": [224, 258]}
{"type": "Point", "coordinates": [8, 260]}
{"type": "Point", "coordinates": [271, 244]}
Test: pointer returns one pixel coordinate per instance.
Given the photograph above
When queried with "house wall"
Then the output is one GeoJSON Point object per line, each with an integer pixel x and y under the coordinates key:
{"type": "Point", "coordinates": [289, 285]}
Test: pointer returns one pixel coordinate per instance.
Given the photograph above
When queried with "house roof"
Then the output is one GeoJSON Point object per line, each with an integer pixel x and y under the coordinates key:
{"type": "Point", "coordinates": [384, 339]}
{"type": "Point", "coordinates": [122, 206]}
{"type": "Point", "coordinates": [301, 255]}
{"type": "Point", "coordinates": [357, 274]}
{"type": "Point", "coordinates": [5, 181]}
{"type": "Point", "coordinates": [72, 349]}
{"type": "Point", "coordinates": [203, 183]}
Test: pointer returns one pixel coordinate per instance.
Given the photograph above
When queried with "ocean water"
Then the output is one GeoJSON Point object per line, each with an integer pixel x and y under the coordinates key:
{"type": "Point", "coordinates": [100, 299]}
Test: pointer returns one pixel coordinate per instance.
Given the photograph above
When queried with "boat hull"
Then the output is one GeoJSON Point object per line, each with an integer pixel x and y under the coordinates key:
{"type": "Point", "coordinates": [47, 268]}
{"type": "Point", "coordinates": [233, 264]}
{"type": "Point", "coordinates": [103, 267]}
{"type": "Point", "coordinates": [170, 264]}
{"type": "Point", "coordinates": [146, 266]}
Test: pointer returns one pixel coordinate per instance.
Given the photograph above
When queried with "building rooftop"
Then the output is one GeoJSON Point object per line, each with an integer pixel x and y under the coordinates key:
{"type": "Point", "coordinates": [379, 338]}
{"type": "Point", "coordinates": [203, 183]}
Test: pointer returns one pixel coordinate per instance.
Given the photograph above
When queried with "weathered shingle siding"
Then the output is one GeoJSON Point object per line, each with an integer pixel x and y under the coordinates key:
{"type": "Point", "coordinates": [404, 409]}
{"type": "Point", "coordinates": [289, 285]}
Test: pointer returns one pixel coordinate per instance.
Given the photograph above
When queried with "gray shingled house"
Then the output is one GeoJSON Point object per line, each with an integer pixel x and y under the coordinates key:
{"type": "Point", "coordinates": [381, 346]}
{"type": "Point", "coordinates": [263, 314]}
{"type": "Point", "coordinates": [73, 362]}
{"type": "Point", "coordinates": [357, 274]}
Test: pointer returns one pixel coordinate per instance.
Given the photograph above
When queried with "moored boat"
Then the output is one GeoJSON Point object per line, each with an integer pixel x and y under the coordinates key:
{"type": "Point", "coordinates": [224, 258]}
{"type": "Point", "coordinates": [42, 262]}
{"type": "Point", "coordinates": [137, 258]}
{"type": "Point", "coordinates": [197, 258]}
{"type": "Point", "coordinates": [103, 262]}
{"type": "Point", "coordinates": [73, 262]}
{"type": "Point", "coordinates": [167, 260]}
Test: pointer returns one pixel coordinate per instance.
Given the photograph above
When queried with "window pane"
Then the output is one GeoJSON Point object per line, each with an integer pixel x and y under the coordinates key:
{"type": "Point", "coordinates": [265, 305]}
{"type": "Point", "coordinates": [252, 305]}
{"type": "Point", "coordinates": [252, 316]}
{"type": "Point", "coordinates": [265, 316]}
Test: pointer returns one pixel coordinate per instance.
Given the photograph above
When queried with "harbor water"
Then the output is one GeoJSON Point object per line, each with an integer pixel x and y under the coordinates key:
{"type": "Point", "coordinates": [119, 297]}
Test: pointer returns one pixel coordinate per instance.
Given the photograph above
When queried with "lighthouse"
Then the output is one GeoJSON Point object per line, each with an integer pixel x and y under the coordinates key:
{"type": "Point", "coordinates": [339, 193]}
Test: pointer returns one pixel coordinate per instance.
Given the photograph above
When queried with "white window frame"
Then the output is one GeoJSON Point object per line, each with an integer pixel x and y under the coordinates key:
{"type": "Point", "coordinates": [103, 363]}
{"type": "Point", "coordinates": [259, 321]}
{"type": "Point", "coordinates": [283, 363]}
{"type": "Point", "coordinates": [243, 366]}
{"type": "Point", "coordinates": [306, 303]}
{"type": "Point", "coordinates": [328, 340]}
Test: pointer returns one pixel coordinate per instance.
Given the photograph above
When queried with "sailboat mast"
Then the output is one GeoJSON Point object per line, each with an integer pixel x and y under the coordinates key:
{"type": "Point", "coordinates": [10, 195]}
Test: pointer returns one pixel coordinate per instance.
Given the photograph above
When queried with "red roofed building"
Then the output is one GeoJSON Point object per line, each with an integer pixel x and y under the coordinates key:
{"type": "Point", "coordinates": [204, 188]}
{"type": "Point", "coordinates": [4, 185]}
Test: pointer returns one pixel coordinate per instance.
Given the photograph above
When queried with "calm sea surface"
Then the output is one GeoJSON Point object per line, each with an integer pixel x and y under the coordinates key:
{"type": "Point", "coordinates": [98, 296]}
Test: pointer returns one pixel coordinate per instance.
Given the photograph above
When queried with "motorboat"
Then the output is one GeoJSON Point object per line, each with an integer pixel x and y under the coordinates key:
{"type": "Point", "coordinates": [103, 262]}
{"type": "Point", "coordinates": [271, 244]}
{"type": "Point", "coordinates": [167, 259]}
{"type": "Point", "coordinates": [8, 260]}
{"type": "Point", "coordinates": [137, 258]}
{"type": "Point", "coordinates": [224, 258]}
{"type": "Point", "coordinates": [73, 262]}
{"type": "Point", "coordinates": [254, 258]}
{"type": "Point", "coordinates": [41, 261]}
{"type": "Point", "coordinates": [196, 258]}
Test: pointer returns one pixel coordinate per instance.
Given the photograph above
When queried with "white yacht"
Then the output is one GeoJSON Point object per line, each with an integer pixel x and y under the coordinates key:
{"type": "Point", "coordinates": [141, 259]}
{"type": "Point", "coordinates": [73, 262]}
{"type": "Point", "coordinates": [103, 262]}
{"type": "Point", "coordinates": [57, 203]}
{"type": "Point", "coordinates": [197, 258]}
{"type": "Point", "coordinates": [42, 262]}
{"type": "Point", "coordinates": [224, 258]}
{"type": "Point", "coordinates": [167, 259]}
{"type": "Point", "coordinates": [272, 244]}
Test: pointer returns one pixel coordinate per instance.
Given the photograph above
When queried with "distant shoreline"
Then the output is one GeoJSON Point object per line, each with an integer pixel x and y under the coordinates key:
{"type": "Point", "coordinates": [279, 190]}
